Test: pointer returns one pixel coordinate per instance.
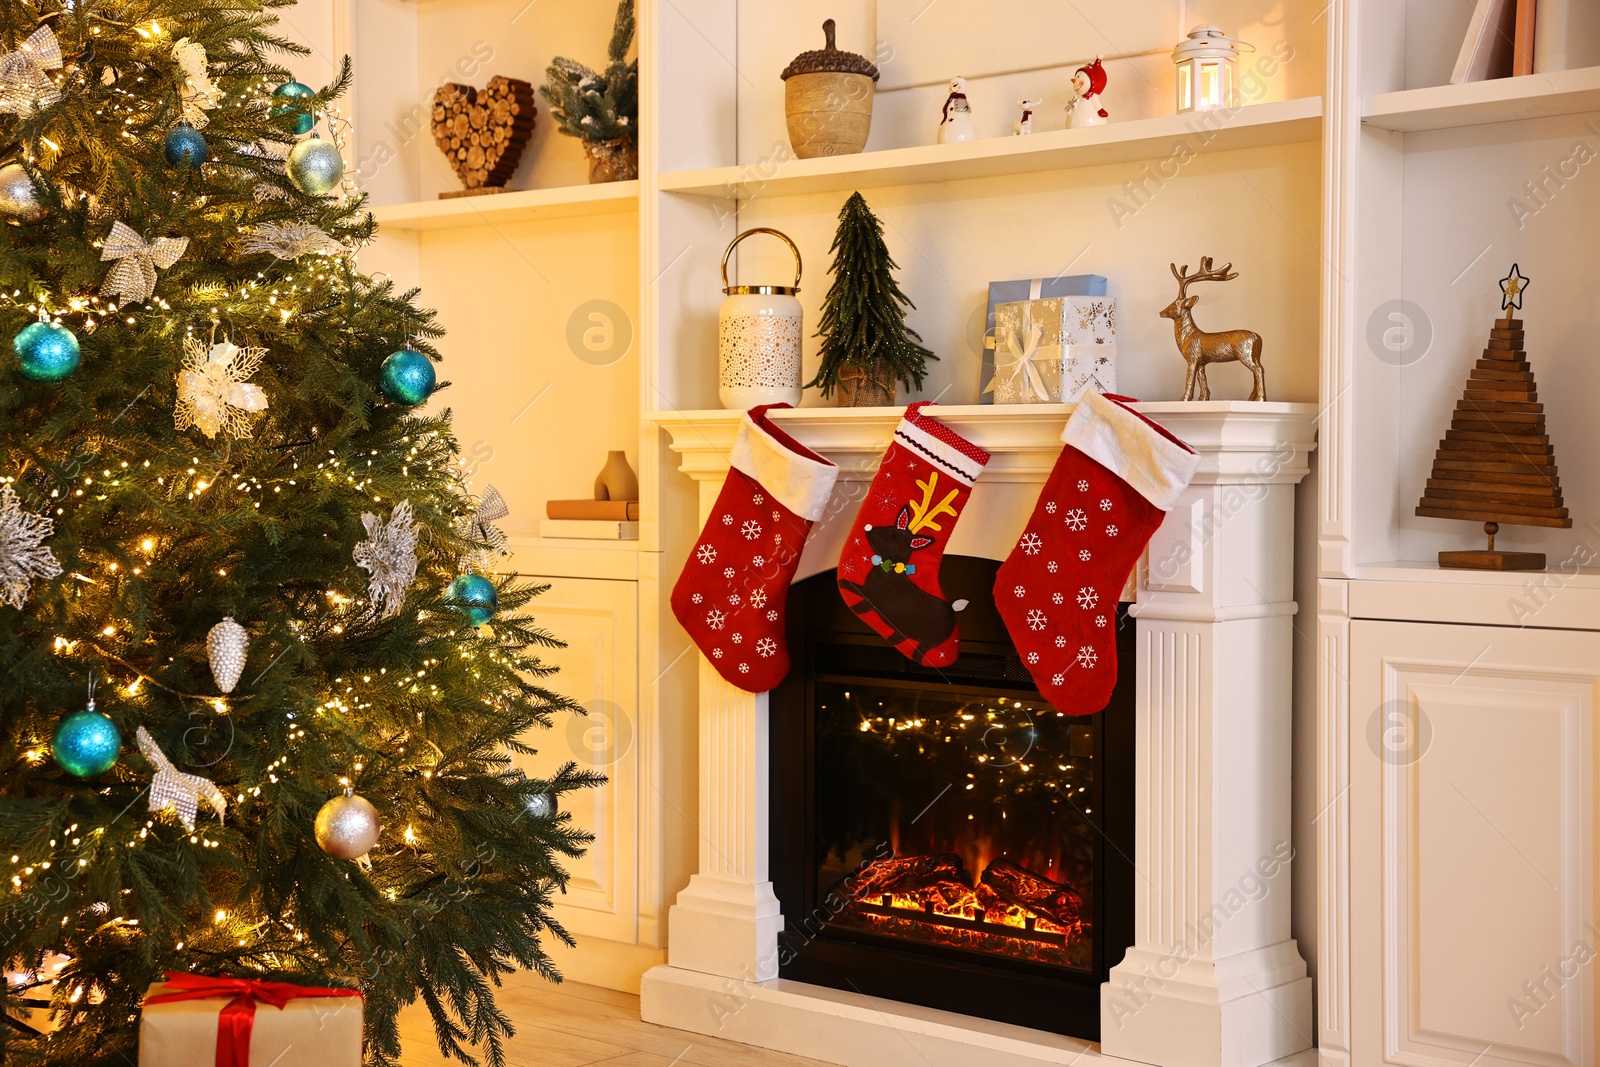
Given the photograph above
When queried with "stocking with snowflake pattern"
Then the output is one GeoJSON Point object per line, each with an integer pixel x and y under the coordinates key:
{"type": "Point", "coordinates": [731, 594]}
{"type": "Point", "coordinates": [889, 569]}
{"type": "Point", "coordinates": [1108, 492]}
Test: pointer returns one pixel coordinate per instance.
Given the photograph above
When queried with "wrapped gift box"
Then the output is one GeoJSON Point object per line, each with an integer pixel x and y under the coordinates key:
{"type": "Point", "coordinates": [1027, 289]}
{"type": "Point", "coordinates": [307, 1031]}
{"type": "Point", "coordinates": [1050, 351]}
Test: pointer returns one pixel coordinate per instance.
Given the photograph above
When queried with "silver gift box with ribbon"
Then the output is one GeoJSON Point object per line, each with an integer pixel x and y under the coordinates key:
{"type": "Point", "coordinates": [1049, 351]}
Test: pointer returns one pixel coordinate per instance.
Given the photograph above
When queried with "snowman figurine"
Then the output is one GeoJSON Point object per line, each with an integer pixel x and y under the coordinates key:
{"type": "Point", "coordinates": [956, 123]}
{"type": "Point", "coordinates": [1024, 126]}
{"type": "Point", "coordinates": [1084, 109]}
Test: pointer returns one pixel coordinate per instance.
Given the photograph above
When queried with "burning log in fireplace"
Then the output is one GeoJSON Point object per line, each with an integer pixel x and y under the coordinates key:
{"type": "Point", "coordinates": [1020, 886]}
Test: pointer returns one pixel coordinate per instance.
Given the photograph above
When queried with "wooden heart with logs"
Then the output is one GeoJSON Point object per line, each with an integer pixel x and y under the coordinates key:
{"type": "Point", "coordinates": [482, 132]}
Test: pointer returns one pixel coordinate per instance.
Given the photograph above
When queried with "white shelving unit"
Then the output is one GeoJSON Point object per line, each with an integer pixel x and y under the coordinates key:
{"type": "Point", "coordinates": [1441, 107]}
{"type": "Point", "coordinates": [525, 205]}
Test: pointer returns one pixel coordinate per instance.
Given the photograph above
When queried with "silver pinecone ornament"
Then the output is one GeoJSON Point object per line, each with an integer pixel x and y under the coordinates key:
{"type": "Point", "coordinates": [226, 645]}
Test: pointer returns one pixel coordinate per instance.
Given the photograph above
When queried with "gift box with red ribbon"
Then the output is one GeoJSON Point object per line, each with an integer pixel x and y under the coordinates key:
{"type": "Point", "coordinates": [193, 1020]}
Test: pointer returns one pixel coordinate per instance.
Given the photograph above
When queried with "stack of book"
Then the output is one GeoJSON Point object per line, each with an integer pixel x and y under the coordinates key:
{"type": "Point", "coordinates": [593, 520]}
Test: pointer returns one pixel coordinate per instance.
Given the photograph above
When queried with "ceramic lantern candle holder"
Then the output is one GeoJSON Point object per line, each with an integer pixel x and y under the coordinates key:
{"type": "Point", "coordinates": [758, 337]}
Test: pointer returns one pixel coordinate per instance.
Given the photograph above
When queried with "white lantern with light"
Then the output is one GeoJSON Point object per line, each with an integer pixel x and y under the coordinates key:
{"type": "Point", "coordinates": [1206, 61]}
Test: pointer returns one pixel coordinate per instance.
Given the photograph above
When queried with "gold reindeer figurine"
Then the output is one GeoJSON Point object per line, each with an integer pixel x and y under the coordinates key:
{"type": "Point", "coordinates": [1198, 347]}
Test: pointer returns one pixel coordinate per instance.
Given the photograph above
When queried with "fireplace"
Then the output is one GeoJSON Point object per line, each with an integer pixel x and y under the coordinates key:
{"type": "Point", "coordinates": [944, 837]}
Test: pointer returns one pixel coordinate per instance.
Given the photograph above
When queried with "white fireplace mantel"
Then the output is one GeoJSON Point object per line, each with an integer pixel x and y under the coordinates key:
{"type": "Point", "coordinates": [1213, 978]}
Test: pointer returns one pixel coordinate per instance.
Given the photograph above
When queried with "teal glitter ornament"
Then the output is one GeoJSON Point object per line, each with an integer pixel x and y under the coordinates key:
{"type": "Point", "coordinates": [184, 147]}
{"type": "Point", "coordinates": [475, 596]}
{"type": "Point", "coordinates": [86, 743]}
{"type": "Point", "coordinates": [407, 377]}
{"type": "Point", "coordinates": [47, 352]}
{"type": "Point", "coordinates": [314, 167]}
{"type": "Point", "coordinates": [292, 109]}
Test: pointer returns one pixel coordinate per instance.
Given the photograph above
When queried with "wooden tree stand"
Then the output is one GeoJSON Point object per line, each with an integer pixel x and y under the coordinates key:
{"type": "Point", "coordinates": [1496, 463]}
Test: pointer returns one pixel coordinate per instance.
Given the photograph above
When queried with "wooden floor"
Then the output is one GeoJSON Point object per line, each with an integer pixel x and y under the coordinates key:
{"type": "Point", "coordinates": [573, 1025]}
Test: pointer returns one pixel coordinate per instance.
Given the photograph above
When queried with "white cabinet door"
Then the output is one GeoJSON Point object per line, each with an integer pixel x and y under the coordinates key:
{"type": "Point", "coordinates": [599, 621]}
{"type": "Point", "coordinates": [1472, 777]}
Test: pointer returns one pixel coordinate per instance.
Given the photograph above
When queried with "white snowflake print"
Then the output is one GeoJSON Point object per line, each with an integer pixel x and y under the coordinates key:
{"type": "Point", "coordinates": [776, 515]}
{"type": "Point", "coordinates": [1088, 599]}
{"type": "Point", "coordinates": [715, 619]}
{"type": "Point", "coordinates": [1076, 519]}
{"type": "Point", "coordinates": [1085, 555]}
{"type": "Point", "coordinates": [706, 554]}
{"type": "Point", "coordinates": [760, 561]}
{"type": "Point", "coordinates": [1036, 619]}
{"type": "Point", "coordinates": [1059, 679]}
{"type": "Point", "coordinates": [1087, 657]}
{"type": "Point", "coordinates": [727, 520]}
{"type": "Point", "coordinates": [733, 598]}
{"type": "Point", "coordinates": [1083, 485]}
{"type": "Point", "coordinates": [744, 668]}
{"type": "Point", "coordinates": [758, 599]}
{"type": "Point", "coordinates": [1057, 598]}
{"type": "Point", "coordinates": [737, 639]}
{"type": "Point", "coordinates": [1111, 531]}
{"type": "Point", "coordinates": [767, 647]}
{"type": "Point", "coordinates": [758, 500]}
{"type": "Point", "coordinates": [751, 529]}
{"type": "Point", "coordinates": [716, 653]}
{"type": "Point", "coordinates": [1050, 508]}
{"type": "Point", "coordinates": [777, 538]}
{"type": "Point", "coordinates": [1105, 505]}
{"type": "Point", "coordinates": [1100, 621]}
{"type": "Point", "coordinates": [1021, 591]}
{"type": "Point", "coordinates": [1033, 657]}
{"type": "Point", "coordinates": [728, 572]}
{"type": "Point", "coordinates": [697, 599]}
{"type": "Point", "coordinates": [1052, 566]}
{"type": "Point", "coordinates": [772, 616]}
{"type": "Point", "coordinates": [1061, 642]}
{"type": "Point", "coordinates": [1031, 543]}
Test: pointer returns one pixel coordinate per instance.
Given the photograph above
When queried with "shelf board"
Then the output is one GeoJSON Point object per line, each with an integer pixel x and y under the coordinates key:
{"type": "Point", "coordinates": [1259, 125]}
{"type": "Point", "coordinates": [524, 205]}
{"type": "Point", "coordinates": [1442, 107]}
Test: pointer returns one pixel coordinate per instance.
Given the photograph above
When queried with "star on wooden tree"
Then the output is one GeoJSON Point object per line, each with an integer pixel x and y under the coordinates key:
{"type": "Point", "coordinates": [1512, 285]}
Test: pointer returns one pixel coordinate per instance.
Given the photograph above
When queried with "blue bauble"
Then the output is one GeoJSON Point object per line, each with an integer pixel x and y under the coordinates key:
{"type": "Point", "coordinates": [292, 109]}
{"type": "Point", "coordinates": [185, 147]}
{"type": "Point", "coordinates": [407, 377]}
{"type": "Point", "coordinates": [475, 596]}
{"type": "Point", "coordinates": [86, 743]}
{"type": "Point", "coordinates": [47, 351]}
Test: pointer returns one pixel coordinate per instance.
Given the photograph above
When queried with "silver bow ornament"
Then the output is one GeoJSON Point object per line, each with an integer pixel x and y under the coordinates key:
{"type": "Point", "coordinates": [25, 82]}
{"type": "Point", "coordinates": [171, 788]}
{"type": "Point", "coordinates": [198, 92]}
{"type": "Point", "coordinates": [479, 528]}
{"type": "Point", "coordinates": [133, 277]}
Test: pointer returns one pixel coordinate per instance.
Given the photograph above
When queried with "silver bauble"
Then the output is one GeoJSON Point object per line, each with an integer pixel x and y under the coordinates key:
{"type": "Point", "coordinates": [541, 805]}
{"type": "Point", "coordinates": [347, 827]}
{"type": "Point", "coordinates": [226, 646]}
{"type": "Point", "coordinates": [314, 167]}
{"type": "Point", "coordinates": [18, 198]}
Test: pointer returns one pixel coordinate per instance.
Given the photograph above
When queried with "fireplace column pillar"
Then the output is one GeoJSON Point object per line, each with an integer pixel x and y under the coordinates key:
{"type": "Point", "coordinates": [1213, 978]}
{"type": "Point", "coordinates": [726, 921]}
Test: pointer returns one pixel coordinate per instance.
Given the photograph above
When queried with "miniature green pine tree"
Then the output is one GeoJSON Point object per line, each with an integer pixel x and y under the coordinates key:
{"type": "Point", "coordinates": [161, 529]}
{"type": "Point", "coordinates": [863, 316]}
{"type": "Point", "coordinates": [595, 107]}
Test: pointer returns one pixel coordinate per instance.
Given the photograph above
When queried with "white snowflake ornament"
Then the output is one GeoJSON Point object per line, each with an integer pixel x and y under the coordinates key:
{"type": "Point", "coordinates": [389, 554]}
{"type": "Point", "coordinates": [23, 555]}
{"type": "Point", "coordinates": [212, 391]}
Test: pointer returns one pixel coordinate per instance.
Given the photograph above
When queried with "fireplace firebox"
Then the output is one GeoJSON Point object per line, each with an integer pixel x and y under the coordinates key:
{"type": "Point", "coordinates": [944, 837]}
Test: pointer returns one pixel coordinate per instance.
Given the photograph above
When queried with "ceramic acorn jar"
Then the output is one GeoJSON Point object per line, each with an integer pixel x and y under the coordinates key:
{"type": "Point", "coordinates": [827, 96]}
{"type": "Point", "coordinates": [759, 332]}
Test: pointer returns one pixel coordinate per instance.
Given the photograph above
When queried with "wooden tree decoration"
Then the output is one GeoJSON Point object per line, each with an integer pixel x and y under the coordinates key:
{"type": "Point", "coordinates": [1496, 463]}
{"type": "Point", "coordinates": [482, 132]}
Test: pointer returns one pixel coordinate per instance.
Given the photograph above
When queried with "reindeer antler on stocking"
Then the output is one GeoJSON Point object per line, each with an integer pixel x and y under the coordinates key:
{"type": "Point", "coordinates": [1200, 348]}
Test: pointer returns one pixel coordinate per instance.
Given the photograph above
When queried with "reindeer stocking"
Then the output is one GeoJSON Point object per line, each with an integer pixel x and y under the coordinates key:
{"type": "Point", "coordinates": [731, 595]}
{"type": "Point", "coordinates": [889, 571]}
{"type": "Point", "coordinates": [1057, 591]}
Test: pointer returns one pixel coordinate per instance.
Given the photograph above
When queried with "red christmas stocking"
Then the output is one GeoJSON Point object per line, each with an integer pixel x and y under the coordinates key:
{"type": "Point", "coordinates": [889, 571]}
{"type": "Point", "coordinates": [731, 594]}
{"type": "Point", "coordinates": [1057, 591]}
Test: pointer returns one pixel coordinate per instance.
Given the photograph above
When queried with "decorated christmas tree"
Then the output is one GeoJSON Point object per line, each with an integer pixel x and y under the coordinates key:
{"type": "Point", "coordinates": [262, 689]}
{"type": "Point", "coordinates": [863, 328]}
